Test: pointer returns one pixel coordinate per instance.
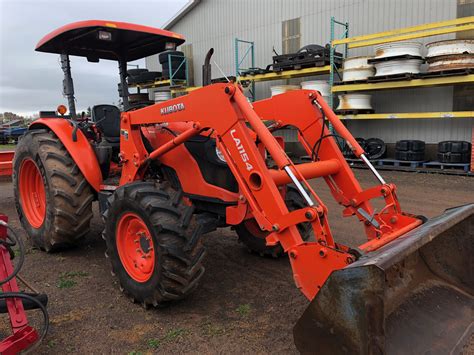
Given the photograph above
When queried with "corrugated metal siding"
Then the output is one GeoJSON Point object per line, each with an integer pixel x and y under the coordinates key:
{"type": "Point", "coordinates": [216, 23]}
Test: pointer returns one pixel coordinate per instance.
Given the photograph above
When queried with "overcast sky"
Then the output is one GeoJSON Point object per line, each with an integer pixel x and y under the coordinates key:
{"type": "Point", "coordinates": [31, 81]}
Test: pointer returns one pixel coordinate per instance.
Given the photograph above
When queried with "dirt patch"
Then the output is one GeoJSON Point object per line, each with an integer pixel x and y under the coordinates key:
{"type": "Point", "coordinates": [245, 304]}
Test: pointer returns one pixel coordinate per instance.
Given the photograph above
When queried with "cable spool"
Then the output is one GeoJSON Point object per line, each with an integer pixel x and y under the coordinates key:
{"type": "Point", "coordinates": [395, 49]}
{"type": "Point", "coordinates": [392, 67]}
{"type": "Point", "coordinates": [356, 62]}
{"type": "Point", "coordinates": [319, 85]}
{"type": "Point", "coordinates": [450, 54]}
{"type": "Point", "coordinates": [354, 102]}
{"type": "Point", "coordinates": [361, 73]}
{"type": "Point", "coordinates": [357, 68]}
{"type": "Point", "coordinates": [450, 47]}
{"type": "Point", "coordinates": [161, 96]}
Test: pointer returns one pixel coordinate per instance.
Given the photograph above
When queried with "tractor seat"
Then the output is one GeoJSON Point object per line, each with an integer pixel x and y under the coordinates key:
{"type": "Point", "coordinates": [107, 119]}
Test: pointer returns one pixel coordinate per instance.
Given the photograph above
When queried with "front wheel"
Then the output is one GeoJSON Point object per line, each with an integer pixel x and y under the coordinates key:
{"type": "Point", "coordinates": [153, 242]}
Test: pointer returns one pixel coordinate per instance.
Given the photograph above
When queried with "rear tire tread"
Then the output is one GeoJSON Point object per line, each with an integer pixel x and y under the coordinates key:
{"type": "Point", "coordinates": [69, 208]}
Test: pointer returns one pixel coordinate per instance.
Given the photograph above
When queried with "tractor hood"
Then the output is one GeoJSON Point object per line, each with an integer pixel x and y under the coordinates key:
{"type": "Point", "coordinates": [96, 39]}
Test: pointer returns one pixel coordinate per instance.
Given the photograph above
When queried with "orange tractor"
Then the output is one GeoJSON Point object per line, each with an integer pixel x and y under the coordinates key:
{"type": "Point", "coordinates": [167, 173]}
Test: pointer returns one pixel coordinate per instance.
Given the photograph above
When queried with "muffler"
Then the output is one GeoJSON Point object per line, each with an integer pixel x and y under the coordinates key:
{"type": "Point", "coordinates": [415, 295]}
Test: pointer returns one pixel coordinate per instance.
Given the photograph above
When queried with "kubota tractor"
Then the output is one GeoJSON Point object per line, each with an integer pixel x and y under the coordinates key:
{"type": "Point", "coordinates": [168, 173]}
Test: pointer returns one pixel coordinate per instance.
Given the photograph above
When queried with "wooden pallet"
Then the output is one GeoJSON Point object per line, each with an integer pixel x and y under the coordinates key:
{"type": "Point", "coordinates": [350, 82]}
{"type": "Point", "coordinates": [445, 73]}
{"type": "Point", "coordinates": [393, 77]}
{"type": "Point", "coordinates": [396, 57]}
{"type": "Point", "coordinates": [443, 166]}
{"type": "Point", "coordinates": [255, 71]}
{"type": "Point", "coordinates": [396, 163]}
{"type": "Point", "coordinates": [354, 111]}
{"type": "Point", "coordinates": [321, 62]}
{"type": "Point", "coordinates": [357, 162]}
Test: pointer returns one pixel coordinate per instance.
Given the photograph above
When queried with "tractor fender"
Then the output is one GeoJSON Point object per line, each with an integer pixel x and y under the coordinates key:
{"type": "Point", "coordinates": [81, 150]}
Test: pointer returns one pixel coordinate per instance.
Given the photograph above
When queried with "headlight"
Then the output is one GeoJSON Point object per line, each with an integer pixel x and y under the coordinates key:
{"type": "Point", "coordinates": [220, 155]}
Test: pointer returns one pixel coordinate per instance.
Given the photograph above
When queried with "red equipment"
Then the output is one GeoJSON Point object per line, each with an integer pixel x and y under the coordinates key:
{"type": "Point", "coordinates": [207, 160]}
{"type": "Point", "coordinates": [24, 336]}
{"type": "Point", "coordinates": [6, 158]}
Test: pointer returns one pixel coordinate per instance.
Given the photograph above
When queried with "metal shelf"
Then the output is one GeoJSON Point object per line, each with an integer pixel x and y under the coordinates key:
{"type": "Point", "coordinates": [287, 74]}
{"type": "Point", "coordinates": [156, 84]}
{"type": "Point", "coordinates": [172, 82]}
{"type": "Point", "coordinates": [406, 84]}
{"type": "Point", "coordinates": [184, 89]}
{"type": "Point", "coordinates": [409, 115]}
{"type": "Point", "coordinates": [409, 33]}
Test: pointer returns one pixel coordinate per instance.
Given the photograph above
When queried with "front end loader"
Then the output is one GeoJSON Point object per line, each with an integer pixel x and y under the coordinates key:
{"type": "Point", "coordinates": [166, 174]}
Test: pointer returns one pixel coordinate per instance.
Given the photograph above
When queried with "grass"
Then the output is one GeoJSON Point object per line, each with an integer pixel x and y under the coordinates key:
{"type": "Point", "coordinates": [169, 337]}
{"type": "Point", "coordinates": [212, 330]}
{"type": "Point", "coordinates": [51, 344]}
{"type": "Point", "coordinates": [66, 283]}
{"type": "Point", "coordinates": [243, 310]}
{"type": "Point", "coordinates": [67, 279]}
{"type": "Point", "coordinates": [173, 334]}
{"type": "Point", "coordinates": [7, 147]}
{"type": "Point", "coordinates": [154, 343]}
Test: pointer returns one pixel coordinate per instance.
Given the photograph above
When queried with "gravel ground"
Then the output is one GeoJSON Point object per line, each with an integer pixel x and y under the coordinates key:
{"type": "Point", "coordinates": [245, 304]}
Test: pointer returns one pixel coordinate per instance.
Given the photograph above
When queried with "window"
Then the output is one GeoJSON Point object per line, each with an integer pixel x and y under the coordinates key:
{"type": "Point", "coordinates": [187, 49]}
{"type": "Point", "coordinates": [291, 36]}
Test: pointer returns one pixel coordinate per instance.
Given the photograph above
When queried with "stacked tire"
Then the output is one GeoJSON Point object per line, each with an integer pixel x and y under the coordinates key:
{"type": "Point", "coordinates": [173, 59]}
{"type": "Point", "coordinates": [347, 151]}
{"type": "Point", "coordinates": [410, 150]}
{"type": "Point", "coordinates": [138, 76]}
{"type": "Point", "coordinates": [454, 152]}
{"type": "Point", "coordinates": [375, 148]}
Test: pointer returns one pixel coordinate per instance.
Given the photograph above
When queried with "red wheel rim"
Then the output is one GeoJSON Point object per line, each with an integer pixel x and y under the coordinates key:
{"type": "Point", "coordinates": [32, 193]}
{"type": "Point", "coordinates": [135, 247]}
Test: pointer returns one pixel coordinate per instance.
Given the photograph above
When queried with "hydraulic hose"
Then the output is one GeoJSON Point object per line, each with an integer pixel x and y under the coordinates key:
{"type": "Point", "coordinates": [14, 240]}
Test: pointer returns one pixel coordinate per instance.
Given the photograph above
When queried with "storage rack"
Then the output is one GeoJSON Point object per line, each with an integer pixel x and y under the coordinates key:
{"type": "Point", "coordinates": [285, 74]}
{"type": "Point", "coordinates": [345, 35]}
{"type": "Point", "coordinates": [416, 81]}
{"type": "Point", "coordinates": [239, 60]}
{"type": "Point", "coordinates": [420, 31]}
{"type": "Point", "coordinates": [408, 115]}
{"type": "Point", "coordinates": [171, 82]}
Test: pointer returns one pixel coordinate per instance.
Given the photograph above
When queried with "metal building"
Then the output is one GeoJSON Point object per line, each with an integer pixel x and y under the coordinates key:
{"type": "Point", "coordinates": [283, 25]}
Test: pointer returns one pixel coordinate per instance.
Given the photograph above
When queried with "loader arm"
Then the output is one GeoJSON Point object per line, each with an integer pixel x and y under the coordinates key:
{"type": "Point", "coordinates": [224, 109]}
{"type": "Point", "coordinates": [343, 185]}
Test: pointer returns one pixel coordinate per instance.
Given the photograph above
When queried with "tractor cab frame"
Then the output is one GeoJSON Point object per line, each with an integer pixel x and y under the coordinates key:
{"type": "Point", "coordinates": [95, 40]}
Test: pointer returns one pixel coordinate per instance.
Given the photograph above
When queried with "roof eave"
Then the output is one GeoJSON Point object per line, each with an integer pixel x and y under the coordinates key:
{"type": "Point", "coordinates": [191, 4]}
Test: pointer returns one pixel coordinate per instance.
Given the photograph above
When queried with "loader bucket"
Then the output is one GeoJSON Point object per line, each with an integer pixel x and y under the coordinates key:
{"type": "Point", "coordinates": [412, 296]}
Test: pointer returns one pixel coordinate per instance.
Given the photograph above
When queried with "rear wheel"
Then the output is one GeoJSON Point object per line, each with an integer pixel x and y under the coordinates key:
{"type": "Point", "coordinates": [52, 197]}
{"type": "Point", "coordinates": [153, 242]}
{"type": "Point", "coordinates": [253, 237]}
